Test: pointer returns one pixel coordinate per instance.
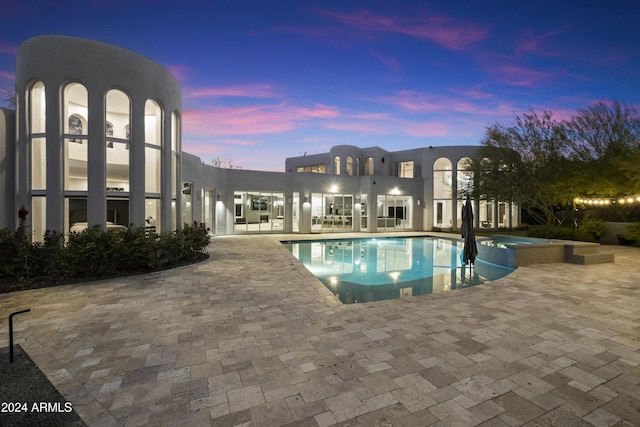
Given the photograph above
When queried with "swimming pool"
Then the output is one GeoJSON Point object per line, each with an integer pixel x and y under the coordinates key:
{"type": "Point", "coordinates": [362, 270]}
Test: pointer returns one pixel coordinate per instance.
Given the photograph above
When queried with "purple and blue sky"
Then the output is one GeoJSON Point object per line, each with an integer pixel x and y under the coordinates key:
{"type": "Point", "coordinates": [265, 80]}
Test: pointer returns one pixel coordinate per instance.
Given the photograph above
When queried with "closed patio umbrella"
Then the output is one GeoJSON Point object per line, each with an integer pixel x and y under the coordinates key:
{"type": "Point", "coordinates": [470, 249]}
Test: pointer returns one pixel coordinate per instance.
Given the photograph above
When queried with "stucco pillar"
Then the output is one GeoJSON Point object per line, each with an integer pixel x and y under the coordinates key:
{"type": "Point", "coordinates": [137, 157]}
{"type": "Point", "coordinates": [23, 181]}
{"type": "Point", "coordinates": [165, 176]}
{"type": "Point", "coordinates": [54, 151]}
{"type": "Point", "coordinates": [305, 214]}
{"type": "Point", "coordinates": [97, 170]}
{"type": "Point", "coordinates": [288, 212]}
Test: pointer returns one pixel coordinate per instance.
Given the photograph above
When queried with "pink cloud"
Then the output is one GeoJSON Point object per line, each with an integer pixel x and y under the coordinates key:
{"type": "Point", "coordinates": [472, 93]}
{"type": "Point", "coordinates": [390, 126]}
{"type": "Point", "coordinates": [180, 72]}
{"type": "Point", "coordinates": [250, 91]}
{"type": "Point", "coordinates": [8, 48]}
{"type": "Point", "coordinates": [515, 75]}
{"type": "Point", "coordinates": [447, 107]}
{"type": "Point", "coordinates": [441, 30]}
{"type": "Point", "coordinates": [537, 43]}
{"type": "Point", "coordinates": [7, 75]}
{"type": "Point", "coordinates": [389, 61]}
{"type": "Point", "coordinates": [253, 120]}
{"type": "Point", "coordinates": [243, 142]}
{"type": "Point", "coordinates": [320, 111]}
{"type": "Point", "coordinates": [427, 129]}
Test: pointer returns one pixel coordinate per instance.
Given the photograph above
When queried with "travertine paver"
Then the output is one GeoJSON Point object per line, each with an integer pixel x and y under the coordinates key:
{"type": "Point", "coordinates": [250, 337]}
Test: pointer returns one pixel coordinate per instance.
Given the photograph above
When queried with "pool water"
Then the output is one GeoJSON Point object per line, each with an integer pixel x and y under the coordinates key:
{"type": "Point", "coordinates": [362, 270]}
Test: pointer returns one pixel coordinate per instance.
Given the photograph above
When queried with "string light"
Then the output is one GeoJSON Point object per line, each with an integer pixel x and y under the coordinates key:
{"type": "Point", "coordinates": [606, 201]}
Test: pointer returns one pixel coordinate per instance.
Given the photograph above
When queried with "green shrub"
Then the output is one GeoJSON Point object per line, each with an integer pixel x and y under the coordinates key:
{"type": "Point", "coordinates": [94, 254]}
{"type": "Point", "coordinates": [587, 231]}
{"type": "Point", "coordinates": [632, 232]}
{"type": "Point", "coordinates": [590, 230]}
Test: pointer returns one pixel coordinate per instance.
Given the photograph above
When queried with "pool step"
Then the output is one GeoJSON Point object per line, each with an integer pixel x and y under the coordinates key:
{"type": "Point", "coordinates": [587, 255]}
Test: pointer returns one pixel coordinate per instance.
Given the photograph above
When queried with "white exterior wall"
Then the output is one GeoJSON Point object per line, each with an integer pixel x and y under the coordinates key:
{"type": "Point", "coordinates": [8, 212]}
{"type": "Point", "coordinates": [99, 67]}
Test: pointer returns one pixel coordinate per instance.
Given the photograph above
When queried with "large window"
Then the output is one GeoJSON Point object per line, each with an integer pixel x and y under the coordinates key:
{"type": "Point", "coordinates": [38, 168]}
{"type": "Point", "coordinates": [117, 146]}
{"type": "Point", "coordinates": [464, 186]}
{"type": "Point", "coordinates": [187, 208]}
{"type": "Point", "coordinates": [37, 140]}
{"type": "Point", "coordinates": [336, 165]}
{"type": "Point", "coordinates": [312, 169]}
{"type": "Point", "coordinates": [368, 166]}
{"type": "Point", "coordinates": [349, 165]}
{"type": "Point", "coordinates": [331, 212]}
{"type": "Point", "coordinates": [258, 211]}
{"type": "Point", "coordinates": [393, 212]}
{"type": "Point", "coordinates": [405, 169]}
{"type": "Point", "coordinates": [153, 144]}
{"type": "Point", "coordinates": [207, 207]}
{"type": "Point", "coordinates": [442, 193]}
{"type": "Point", "coordinates": [75, 111]}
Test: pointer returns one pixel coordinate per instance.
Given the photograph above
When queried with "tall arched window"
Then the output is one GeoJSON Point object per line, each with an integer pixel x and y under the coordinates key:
{"type": "Point", "coordinates": [349, 165]}
{"type": "Point", "coordinates": [442, 193]}
{"type": "Point", "coordinates": [465, 178]}
{"type": "Point", "coordinates": [75, 103]}
{"type": "Point", "coordinates": [368, 166]}
{"type": "Point", "coordinates": [153, 119]}
{"type": "Point", "coordinates": [118, 112]}
{"type": "Point", "coordinates": [175, 161]}
{"type": "Point", "coordinates": [37, 129]}
{"type": "Point", "coordinates": [464, 190]}
{"type": "Point", "coordinates": [36, 98]}
{"type": "Point", "coordinates": [336, 165]}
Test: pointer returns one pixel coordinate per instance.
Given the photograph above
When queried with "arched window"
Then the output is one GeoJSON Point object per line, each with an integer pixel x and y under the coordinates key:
{"type": "Point", "coordinates": [75, 100]}
{"type": "Point", "coordinates": [368, 166]}
{"type": "Point", "coordinates": [465, 178]}
{"type": "Point", "coordinates": [175, 161]}
{"type": "Point", "coordinates": [153, 117]}
{"type": "Point", "coordinates": [349, 165]}
{"type": "Point", "coordinates": [336, 165]}
{"type": "Point", "coordinates": [118, 113]}
{"type": "Point", "coordinates": [36, 114]}
{"type": "Point", "coordinates": [442, 193]}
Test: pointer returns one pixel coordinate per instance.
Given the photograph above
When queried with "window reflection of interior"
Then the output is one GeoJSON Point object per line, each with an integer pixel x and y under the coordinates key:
{"type": "Point", "coordinates": [331, 212]}
{"type": "Point", "coordinates": [258, 211]}
{"type": "Point", "coordinates": [117, 149]}
{"type": "Point", "coordinates": [75, 137]}
{"type": "Point", "coordinates": [312, 169]}
{"type": "Point", "coordinates": [405, 169]}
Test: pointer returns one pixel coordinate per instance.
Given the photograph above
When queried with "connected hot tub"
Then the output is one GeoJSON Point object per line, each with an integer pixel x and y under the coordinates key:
{"type": "Point", "coordinates": [515, 251]}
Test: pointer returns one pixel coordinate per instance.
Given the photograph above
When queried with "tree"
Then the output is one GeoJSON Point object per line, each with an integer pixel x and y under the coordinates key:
{"type": "Point", "coordinates": [10, 97]}
{"type": "Point", "coordinates": [526, 163]}
{"type": "Point", "coordinates": [224, 163]}
{"type": "Point", "coordinates": [605, 138]}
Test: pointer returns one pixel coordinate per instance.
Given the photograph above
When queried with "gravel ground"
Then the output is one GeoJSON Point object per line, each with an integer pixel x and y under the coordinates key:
{"type": "Point", "coordinates": [27, 398]}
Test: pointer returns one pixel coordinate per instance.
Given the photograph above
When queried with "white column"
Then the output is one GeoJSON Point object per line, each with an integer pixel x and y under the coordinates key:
{"type": "Point", "coordinates": [96, 164]}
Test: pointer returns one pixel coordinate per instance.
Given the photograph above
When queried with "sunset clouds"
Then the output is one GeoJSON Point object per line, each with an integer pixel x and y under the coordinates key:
{"type": "Point", "coordinates": [262, 81]}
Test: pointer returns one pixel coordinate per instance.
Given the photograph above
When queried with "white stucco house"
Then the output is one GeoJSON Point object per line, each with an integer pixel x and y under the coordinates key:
{"type": "Point", "coordinates": [96, 140]}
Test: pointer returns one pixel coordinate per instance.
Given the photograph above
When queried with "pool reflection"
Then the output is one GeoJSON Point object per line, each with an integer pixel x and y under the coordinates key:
{"type": "Point", "coordinates": [362, 270]}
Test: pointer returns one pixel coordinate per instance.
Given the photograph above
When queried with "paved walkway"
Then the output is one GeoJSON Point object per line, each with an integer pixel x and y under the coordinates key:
{"type": "Point", "coordinates": [250, 338]}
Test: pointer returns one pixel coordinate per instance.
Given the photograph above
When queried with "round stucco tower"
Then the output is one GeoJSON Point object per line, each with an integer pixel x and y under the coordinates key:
{"type": "Point", "coordinates": [98, 137]}
{"type": "Point", "coordinates": [345, 160]}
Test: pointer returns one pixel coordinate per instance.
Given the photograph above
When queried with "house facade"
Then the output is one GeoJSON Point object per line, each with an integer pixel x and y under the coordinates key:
{"type": "Point", "coordinates": [96, 141]}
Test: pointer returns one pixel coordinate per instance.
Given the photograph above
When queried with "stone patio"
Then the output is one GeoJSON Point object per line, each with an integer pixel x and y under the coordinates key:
{"type": "Point", "coordinates": [251, 338]}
